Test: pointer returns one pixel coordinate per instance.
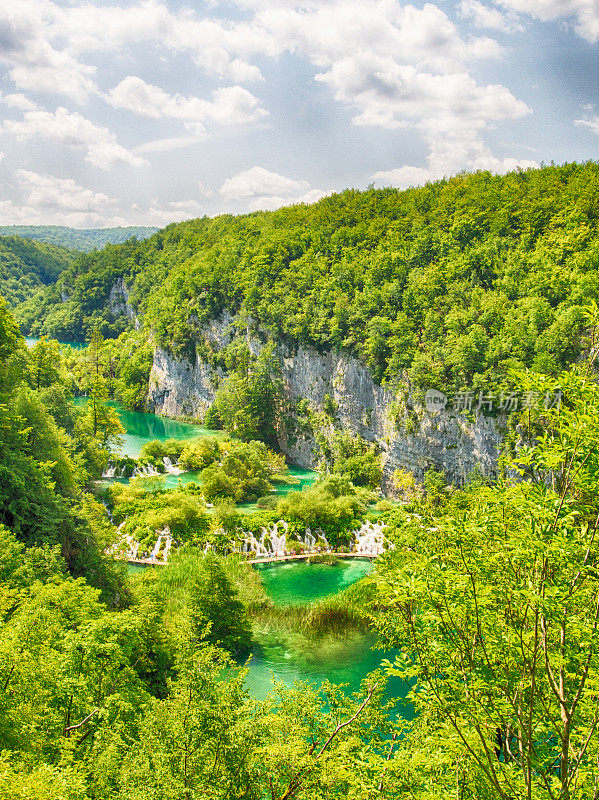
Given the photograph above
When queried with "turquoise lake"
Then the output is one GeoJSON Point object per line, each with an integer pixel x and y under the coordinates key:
{"type": "Point", "coordinates": [290, 657]}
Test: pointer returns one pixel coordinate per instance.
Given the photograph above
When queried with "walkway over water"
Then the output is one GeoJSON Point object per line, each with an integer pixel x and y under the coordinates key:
{"type": "Point", "coordinates": [273, 559]}
{"type": "Point", "coordinates": [298, 556]}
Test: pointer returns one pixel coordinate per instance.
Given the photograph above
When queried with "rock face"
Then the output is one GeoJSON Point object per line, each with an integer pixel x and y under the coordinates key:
{"type": "Point", "coordinates": [180, 388]}
{"type": "Point", "coordinates": [341, 386]}
{"type": "Point", "coordinates": [118, 303]}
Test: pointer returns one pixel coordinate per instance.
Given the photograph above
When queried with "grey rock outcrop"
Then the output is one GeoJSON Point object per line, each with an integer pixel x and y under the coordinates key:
{"type": "Point", "coordinates": [411, 440]}
{"type": "Point", "coordinates": [118, 303]}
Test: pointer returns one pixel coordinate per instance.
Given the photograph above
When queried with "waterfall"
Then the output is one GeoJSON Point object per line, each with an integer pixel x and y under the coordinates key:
{"type": "Point", "coordinates": [145, 470]}
{"type": "Point", "coordinates": [370, 539]}
{"type": "Point", "coordinates": [251, 543]}
{"type": "Point", "coordinates": [171, 468]}
{"type": "Point", "coordinates": [156, 549]}
{"type": "Point", "coordinates": [309, 539]}
{"type": "Point", "coordinates": [278, 541]}
{"type": "Point", "coordinates": [108, 511]}
{"type": "Point", "coordinates": [109, 471]}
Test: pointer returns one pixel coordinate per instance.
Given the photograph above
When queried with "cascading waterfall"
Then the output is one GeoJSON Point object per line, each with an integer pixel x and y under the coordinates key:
{"type": "Point", "coordinates": [145, 470]}
{"type": "Point", "coordinates": [171, 468]}
{"type": "Point", "coordinates": [108, 511]}
{"type": "Point", "coordinates": [111, 471]}
{"type": "Point", "coordinates": [370, 539]}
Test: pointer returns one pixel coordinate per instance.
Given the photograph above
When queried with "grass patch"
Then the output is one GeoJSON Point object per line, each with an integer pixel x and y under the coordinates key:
{"type": "Point", "coordinates": [328, 559]}
{"type": "Point", "coordinates": [334, 615]}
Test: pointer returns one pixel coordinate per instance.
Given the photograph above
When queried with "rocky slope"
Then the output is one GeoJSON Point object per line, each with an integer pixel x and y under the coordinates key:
{"type": "Point", "coordinates": [412, 440]}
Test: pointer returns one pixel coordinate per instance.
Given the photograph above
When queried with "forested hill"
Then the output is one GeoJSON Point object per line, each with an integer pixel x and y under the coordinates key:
{"type": "Point", "coordinates": [450, 284]}
{"type": "Point", "coordinates": [26, 266]}
{"type": "Point", "coordinates": [83, 239]}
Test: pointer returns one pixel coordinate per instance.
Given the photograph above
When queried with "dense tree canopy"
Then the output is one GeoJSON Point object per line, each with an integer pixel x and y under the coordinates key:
{"type": "Point", "coordinates": [451, 284]}
{"type": "Point", "coordinates": [27, 266]}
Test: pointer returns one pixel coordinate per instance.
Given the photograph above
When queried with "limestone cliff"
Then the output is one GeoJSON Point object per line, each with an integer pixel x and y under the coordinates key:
{"type": "Point", "coordinates": [342, 392]}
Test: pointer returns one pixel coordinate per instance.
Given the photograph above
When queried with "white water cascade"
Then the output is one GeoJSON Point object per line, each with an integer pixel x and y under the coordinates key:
{"type": "Point", "coordinates": [145, 470]}
{"type": "Point", "coordinates": [278, 541]}
{"type": "Point", "coordinates": [309, 539]}
{"type": "Point", "coordinates": [171, 468]}
{"type": "Point", "coordinates": [111, 471]}
{"type": "Point", "coordinates": [370, 539]}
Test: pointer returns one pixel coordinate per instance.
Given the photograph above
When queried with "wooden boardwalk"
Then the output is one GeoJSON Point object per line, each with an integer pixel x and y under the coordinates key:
{"type": "Point", "coordinates": [263, 559]}
{"type": "Point", "coordinates": [300, 556]}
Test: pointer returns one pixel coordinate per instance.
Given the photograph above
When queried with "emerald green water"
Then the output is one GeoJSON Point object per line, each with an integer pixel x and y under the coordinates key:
{"type": "Point", "coordinates": [290, 657]}
{"type": "Point", "coordinates": [299, 582]}
{"type": "Point", "coordinates": [141, 428]}
{"type": "Point", "coordinates": [304, 476]}
{"type": "Point", "coordinates": [30, 341]}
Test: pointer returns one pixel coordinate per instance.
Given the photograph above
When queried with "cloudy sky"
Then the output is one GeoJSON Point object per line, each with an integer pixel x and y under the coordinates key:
{"type": "Point", "coordinates": [118, 112]}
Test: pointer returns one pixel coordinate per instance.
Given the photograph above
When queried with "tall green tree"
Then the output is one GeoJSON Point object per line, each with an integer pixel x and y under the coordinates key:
{"type": "Point", "coordinates": [495, 608]}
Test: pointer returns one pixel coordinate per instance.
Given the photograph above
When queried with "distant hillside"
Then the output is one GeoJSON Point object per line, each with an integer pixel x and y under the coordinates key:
{"type": "Point", "coordinates": [83, 239]}
{"type": "Point", "coordinates": [26, 266]}
{"type": "Point", "coordinates": [451, 285]}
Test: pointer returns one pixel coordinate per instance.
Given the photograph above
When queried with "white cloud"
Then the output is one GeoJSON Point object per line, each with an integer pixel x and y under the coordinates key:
{"type": "Point", "coordinates": [398, 66]}
{"type": "Point", "coordinates": [167, 144]}
{"type": "Point", "coordinates": [13, 213]}
{"type": "Point", "coordinates": [48, 200]}
{"type": "Point", "coordinates": [448, 157]}
{"type": "Point", "coordinates": [256, 182]}
{"type": "Point", "coordinates": [73, 130]}
{"type": "Point", "coordinates": [220, 48]}
{"type": "Point", "coordinates": [161, 214]}
{"type": "Point", "coordinates": [484, 16]}
{"type": "Point", "coordinates": [389, 95]}
{"type": "Point", "coordinates": [20, 101]}
{"type": "Point", "coordinates": [46, 191]}
{"type": "Point", "coordinates": [328, 33]}
{"type": "Point", "coordinates": [34, 63]}
{"type": "Point", "coordinates": [584, 12]}
{"type": "Point", "coordinates": [232, 105]}
{"type": "Point", "coordinates": [590, 122]}
{"type": "Point", "coordinates": [262, 190]}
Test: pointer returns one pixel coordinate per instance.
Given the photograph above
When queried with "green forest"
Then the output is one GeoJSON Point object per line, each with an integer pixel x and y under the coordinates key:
{"type": "Point", "coordinates": [483, 601]}
{"type": "Point", "coordinates": [27, 266]}
{"type": "Point", "coordinates": [120, 686]}
{"type": "Point", "coordinates": [449, 285]}
{"type": "Point", "coordinates": [81, 239]}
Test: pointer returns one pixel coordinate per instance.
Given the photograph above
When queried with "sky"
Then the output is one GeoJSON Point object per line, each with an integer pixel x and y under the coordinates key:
{"type": "Point", "coordinates": [146, 112]}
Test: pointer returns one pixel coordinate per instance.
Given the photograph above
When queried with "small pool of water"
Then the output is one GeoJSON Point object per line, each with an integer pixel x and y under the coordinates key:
{"type": "Point", "coordinates": [346, 658]}
{"type": "Point", "coordinates": [31, 341]}
{"type": "Point", "coordinates": [299, 582]}
{"type": "Point", "coordinates": [141, 427]}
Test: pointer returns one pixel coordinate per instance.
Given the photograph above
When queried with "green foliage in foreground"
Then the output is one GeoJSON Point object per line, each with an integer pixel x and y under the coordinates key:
{"type": "Point", "coordinates": [493, 601]}
{"type": "Point", "coordinates": [49, 454]}
{"type": "Point", "coordinates": [141, 704]}
{"type": "Point", "coordinates": [27, 266]}
{"type": "Point", "coordinates": [451, 284]}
